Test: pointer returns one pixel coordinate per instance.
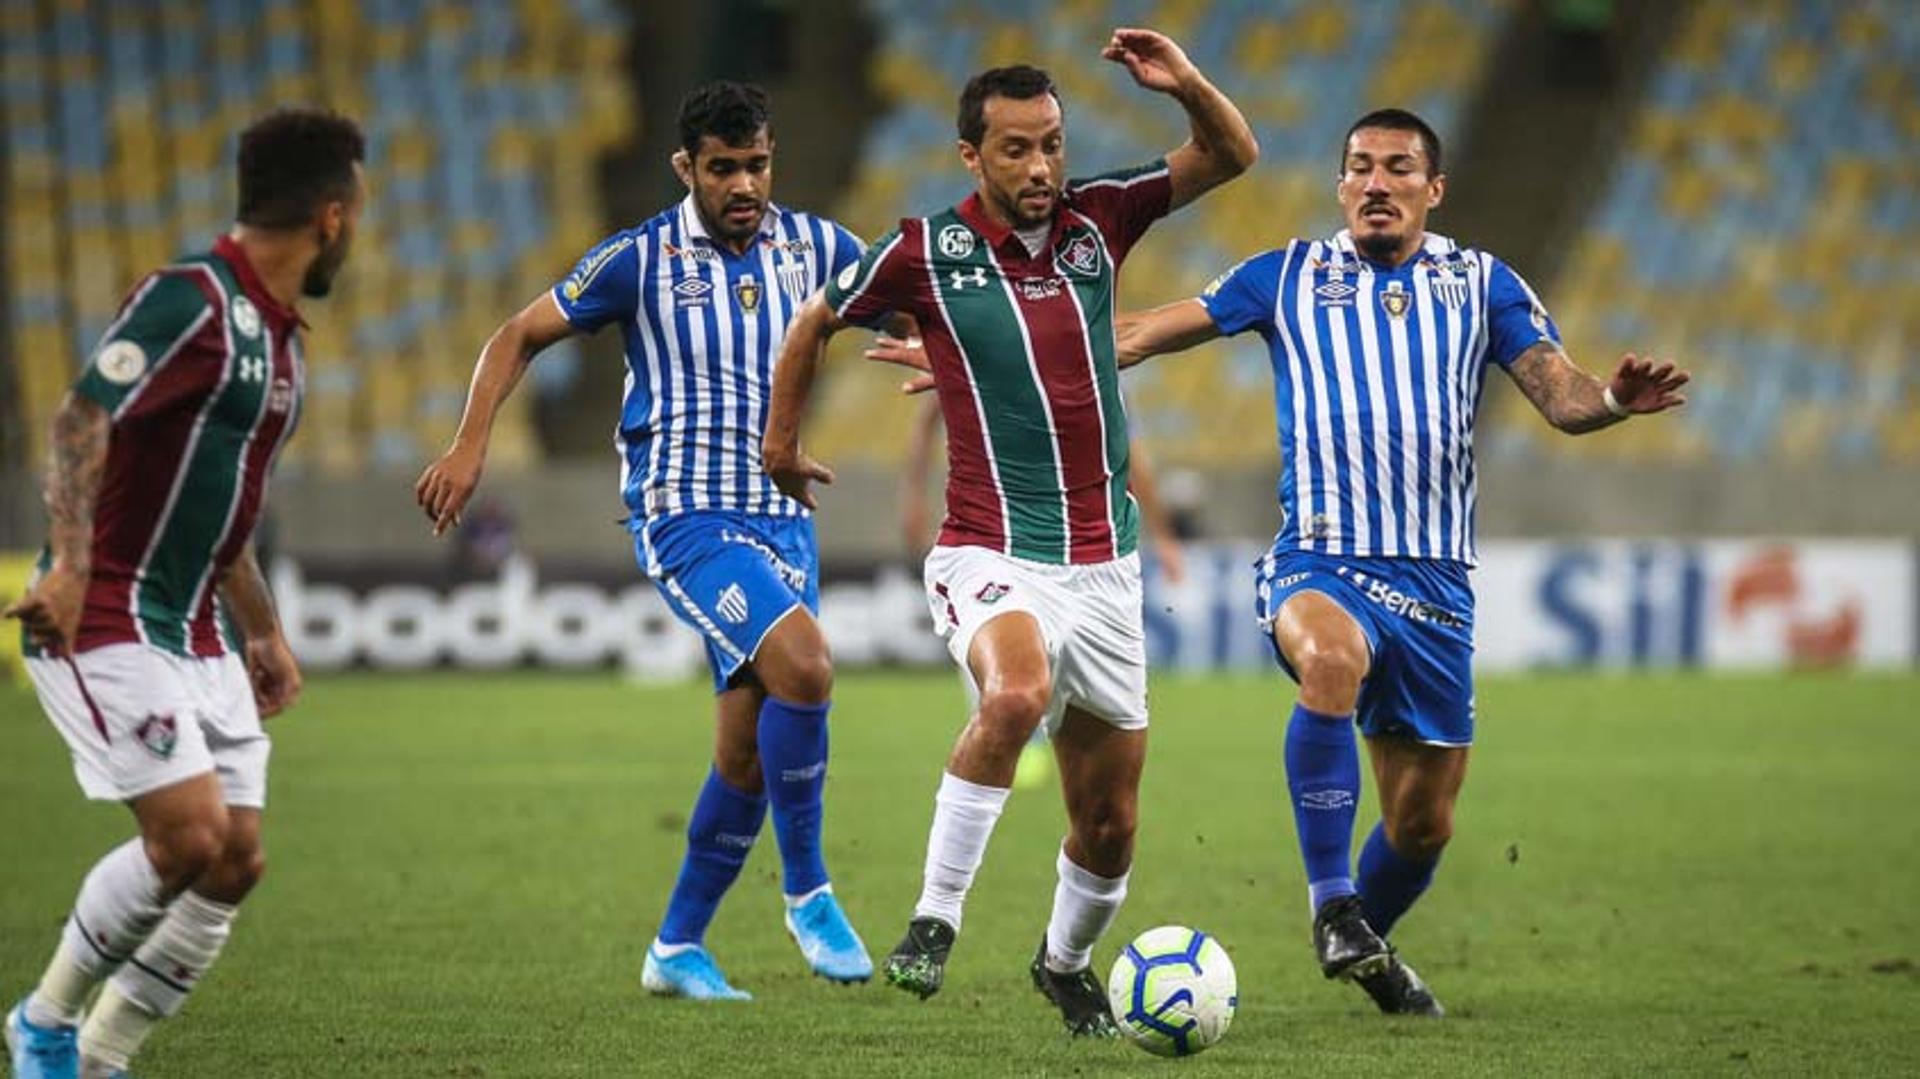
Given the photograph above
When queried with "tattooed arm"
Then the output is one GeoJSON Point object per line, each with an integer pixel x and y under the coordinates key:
{"type": "Point", "coordinates": [270, 663]}
{"type": "Point", "coordinates": [51, 608]}
{"type": "Point", "coordinates": [1577, 402]}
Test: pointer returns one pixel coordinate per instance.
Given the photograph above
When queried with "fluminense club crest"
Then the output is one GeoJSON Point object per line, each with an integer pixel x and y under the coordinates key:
{"type": "Point", "coordinates": [159, 734]}
{"type": "Point", "coordinates": [1081, 255]}
{"type": "Point", "coordinates": [992, 592]}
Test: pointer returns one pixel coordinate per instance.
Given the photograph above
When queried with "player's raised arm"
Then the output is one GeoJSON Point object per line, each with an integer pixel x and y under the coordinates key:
{"type": "Point", "coordinates": [446, 485]}
{"type": "Point", "coordinates": [1221, 146]}
{"type": "Point", "coordinates": [1576, 402]}
{"type": "Point", "coordinates": [1173, 327]}
{"type": "Point", "coordinates": [793, 375]}
{"type": "Point", "coordinates": [50, 610]}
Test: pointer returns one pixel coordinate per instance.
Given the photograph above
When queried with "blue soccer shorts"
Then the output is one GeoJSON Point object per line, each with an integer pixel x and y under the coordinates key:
{"type": "Point", "coordinates": [1417, 615]}
{"type": "Point", "coordinates": [732, 577]}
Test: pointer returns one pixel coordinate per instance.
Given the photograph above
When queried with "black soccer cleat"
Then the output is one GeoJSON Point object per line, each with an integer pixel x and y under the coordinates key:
{"type": "Point", "coordinates": [1081, 998]}
{"type": "Point", "coordinates": [918, 963]}
{"type": "Point", "coordinates": [1347, 946]}
{"type": "Point", "coordinates": [1397, 990]}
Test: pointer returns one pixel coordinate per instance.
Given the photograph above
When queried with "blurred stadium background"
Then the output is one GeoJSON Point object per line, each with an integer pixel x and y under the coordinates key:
{"type": "Point", "coordinates": [1733, 184]}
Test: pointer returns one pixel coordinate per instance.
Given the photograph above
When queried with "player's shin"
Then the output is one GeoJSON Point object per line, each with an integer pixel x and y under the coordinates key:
{"type": "Point", "coordinates": [963, 818]}
{"type": "Point", "coordinates": [154, 983]}
{"type": "Point", "coordinates": [1390, 881]}
{"type": "Point", "coordinates": [720, 834]}
{"type": "Point", "coordinates": [1084, 905]}
{"type": "Point", "coordinates": [1323, 778]}
{"type": "Point", "coordinates": [117, 909]}
{"type": "Point", "coordinates": [793, 756]}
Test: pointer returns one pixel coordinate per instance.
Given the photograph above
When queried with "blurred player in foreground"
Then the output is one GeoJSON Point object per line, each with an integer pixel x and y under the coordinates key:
{"type": "Point", "coordinates": [159, 466]}
{"type": "Point", "coordinates": [1035, 582]}
{"type": "Point", "coordinates": [702, 293]}
{"type": "Point", "coordinates": [1380, 337]}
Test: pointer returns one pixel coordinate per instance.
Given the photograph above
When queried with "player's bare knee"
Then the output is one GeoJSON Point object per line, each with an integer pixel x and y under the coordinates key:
{"type": "Point", "coordinates": [739, 768]}
{"type": "Point", "coordinates": [1009, 714]}
{"type": "Point", "coordinates": [1107, 837]}
{"type": "Point", "coordinates": [809, 677]}
{"type": "Point", "coordinates": [1332, 674]}
{"type": "Point", "coordinates": [185, 851]}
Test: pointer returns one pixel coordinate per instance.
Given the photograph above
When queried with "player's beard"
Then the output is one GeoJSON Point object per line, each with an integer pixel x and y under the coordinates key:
{"type": "Point", "coordinates": [318, 281]}
{"type": "Point", "coordinates": [1010, 205]}
{"type": "Point", "coordinates": [1382, 247]}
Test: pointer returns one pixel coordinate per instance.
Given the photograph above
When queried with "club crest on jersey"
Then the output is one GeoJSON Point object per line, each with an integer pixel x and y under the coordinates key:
{"type": "Point", "coordinates": [159, 734]}
{"type": "Point", "coordinates": [956, 241]}
{"type": "Point", "coordinates": [1451, 290]}
{"type": "Point", "coordinates": [992, 592]}
{"type": "Point", "coordinates": [732, 604]}
{"type": "Point", "coordinates": [1395, 299]}
{"type": "Point", "coordinates": [1081, 255]}
{"type": "Point", "coordinates": [121, 362]}
{"type": "Point", "coordinates": [794, 280]}
{"type": "Point", "coordinates": [246, 317]}
{"type": "Point", "coordinates": [692, 292]}
{"type": "Point", "coordinates": [747, 292]}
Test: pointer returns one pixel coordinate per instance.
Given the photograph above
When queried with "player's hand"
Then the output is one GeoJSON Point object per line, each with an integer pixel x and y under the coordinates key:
{"type": "Point", "coordinates": [274, 674]}
{"type": "Point", "coordinates": [793, 472]}
{"type": "Point", "coordinates": [906, 352]}
{"type": "Point", "coordinates": [444, 488]}
{"type": "Point", "coordinates": [1643, 386]}
{"type": "Point", "coordinates": [1172, 556]}
{"type": "Point", "coordinates": [1151, 57]}
{"type": "Point", "coordinates": [50, 610]}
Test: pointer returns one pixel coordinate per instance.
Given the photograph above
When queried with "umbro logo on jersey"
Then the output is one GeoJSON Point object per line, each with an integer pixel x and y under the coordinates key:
{"type": "Point", "coordinates": [977, 277]}
{"type": "Point", "coordinates": [1335, 293]}
{"type": "Point", "coordinates": [692, 292]}
{"type": "Point", "coordinates": [956, 241]}
{"type": "Point", "coordinates": [732, 604]}
{"type": "Point", "coordinates": [253, 368]}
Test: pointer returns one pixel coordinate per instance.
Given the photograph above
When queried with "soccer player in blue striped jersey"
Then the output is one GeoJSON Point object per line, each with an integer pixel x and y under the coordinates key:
{"type": "Point", "coordinates": [702, 294]}
{"type": "Point", "coordinates": [1380, 338]}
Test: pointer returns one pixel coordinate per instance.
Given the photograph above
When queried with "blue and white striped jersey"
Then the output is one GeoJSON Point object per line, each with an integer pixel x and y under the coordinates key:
{"type": "Point", "coordinates": [702, 328]}
{"type": "Point", "coordinates": [1377, 376]}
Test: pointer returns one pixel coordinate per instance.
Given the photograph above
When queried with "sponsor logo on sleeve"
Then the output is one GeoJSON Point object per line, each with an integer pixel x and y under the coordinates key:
{"type": "Point", "coordinates": [246, 318]}
{"type": "Point", "coordinates": [121, 362]}
{"type": "Point", "coordinates": [848, 276]}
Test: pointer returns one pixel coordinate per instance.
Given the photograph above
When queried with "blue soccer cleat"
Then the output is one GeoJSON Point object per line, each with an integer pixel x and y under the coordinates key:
{"type": "Point", "coordinates": [828, 941]}
{"type": "Point", "coordinates": [691, 974]}
{"type": "Point", "coordinates": [40, 1052]}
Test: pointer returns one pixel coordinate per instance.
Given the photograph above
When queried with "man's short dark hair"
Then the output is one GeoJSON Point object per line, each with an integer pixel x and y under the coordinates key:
{"type": "Point", "coordinates": [1397, 120]}
{"type": "Point", "coordinates": [293, 162]}
{"type": "Point", "coordinates": [1021, 82]}
{"type": "Point", "coordinates": [733, 112]}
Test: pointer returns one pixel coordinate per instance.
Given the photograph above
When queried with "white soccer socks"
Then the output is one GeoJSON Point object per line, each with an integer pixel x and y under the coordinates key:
{"type": "Point", "coordinates": [1083, 906]}
{"type": "Point", "coordinates": [963, 818]}
{"type": "Point", "coordinates": [117, 909]}
{"type": "Point", "coordinates": [155, 982]}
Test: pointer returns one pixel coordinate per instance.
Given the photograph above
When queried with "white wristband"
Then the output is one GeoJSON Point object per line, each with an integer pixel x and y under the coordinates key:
{"type": "Point", "coordinates": [1613, 403]}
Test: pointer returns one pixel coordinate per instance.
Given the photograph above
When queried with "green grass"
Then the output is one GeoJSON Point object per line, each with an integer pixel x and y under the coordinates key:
{"type": "Point", "coordinates": [1650, 875]}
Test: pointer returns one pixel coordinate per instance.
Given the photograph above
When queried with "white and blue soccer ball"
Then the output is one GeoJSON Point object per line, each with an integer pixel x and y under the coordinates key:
{"type": "Point", "coordinates": [1173, 991]}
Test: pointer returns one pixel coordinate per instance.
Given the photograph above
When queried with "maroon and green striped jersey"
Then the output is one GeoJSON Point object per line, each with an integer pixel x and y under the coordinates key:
{"type": "Point", "coordinates": [1023, 361]}
{"type": "Point", "coordinates": [201, 373]}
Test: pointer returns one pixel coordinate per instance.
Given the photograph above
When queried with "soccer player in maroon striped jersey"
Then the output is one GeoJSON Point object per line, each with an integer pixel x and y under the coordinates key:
{"type": "Point", "coordinates": [1035, 581]}
{"type": "Point", "coordinates": [159, 467]}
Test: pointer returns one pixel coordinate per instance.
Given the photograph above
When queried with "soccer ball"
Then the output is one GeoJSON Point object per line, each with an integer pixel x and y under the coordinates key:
{"type": "Point", "coordinates": [1173, 991]}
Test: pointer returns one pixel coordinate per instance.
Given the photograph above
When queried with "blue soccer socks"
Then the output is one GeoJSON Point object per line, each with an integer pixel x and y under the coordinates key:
{"type": "Point", "coordinates": [793, 756]}
{"type": "Point", "coordinates": [1323, 778]}
{"type": "Point", "coordinates": [1389, 882]}
{"type": "Point", "coordinates": [725, 823]}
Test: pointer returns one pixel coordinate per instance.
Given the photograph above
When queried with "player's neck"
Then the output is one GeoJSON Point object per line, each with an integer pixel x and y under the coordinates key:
{"type": "Point", "coordinates": [279, 258]}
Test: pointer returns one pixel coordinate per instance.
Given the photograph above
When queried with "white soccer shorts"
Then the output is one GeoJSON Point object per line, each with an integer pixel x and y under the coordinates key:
{"type": "Point", "coordinates": [1089, 615]}
{"type": "Point", "coordinates": [137, 719]}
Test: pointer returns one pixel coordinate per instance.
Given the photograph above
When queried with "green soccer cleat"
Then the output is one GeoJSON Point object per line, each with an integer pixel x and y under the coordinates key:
{"type": "Point", "coordinates": [918, 963]}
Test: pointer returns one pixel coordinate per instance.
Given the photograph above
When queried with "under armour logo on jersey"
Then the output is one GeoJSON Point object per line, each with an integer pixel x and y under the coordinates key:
{"type": "Point", "coordinates": [732, 604]}
{"type": "Point", "coordinates": [977, 277]}
{"type": "Point", "coordinates": [253, 368]}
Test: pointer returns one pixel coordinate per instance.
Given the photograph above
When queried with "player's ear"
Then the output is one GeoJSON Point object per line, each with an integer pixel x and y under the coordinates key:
{"type": "Point", "coordinates": [683, 167]}
{"type": "Point", "coordinates": [1436, 190]}
{"type": "Point", "coordinates": [970, 156]}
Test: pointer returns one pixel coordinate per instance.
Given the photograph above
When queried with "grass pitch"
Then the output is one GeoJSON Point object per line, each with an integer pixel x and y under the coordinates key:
{"type": "Point", "coordinates": [1650, 875]}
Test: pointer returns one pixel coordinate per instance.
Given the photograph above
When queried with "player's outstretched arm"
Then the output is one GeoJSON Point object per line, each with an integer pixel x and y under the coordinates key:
{"type": "Point", "coordinates": [1221, 145]}
{"type": "Point", "coordinates": [270, 663]}
{"type": "Point", "coordinates": [446, 485]}
{"type": "Point", "coordinates": [793, 374]}
{"type": "Point", "coordinates": [1173, 327]}
{"type": "Point", "coordinates": [1577, 402]}
{"type": "Point", "coordinates": [50, 610]}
